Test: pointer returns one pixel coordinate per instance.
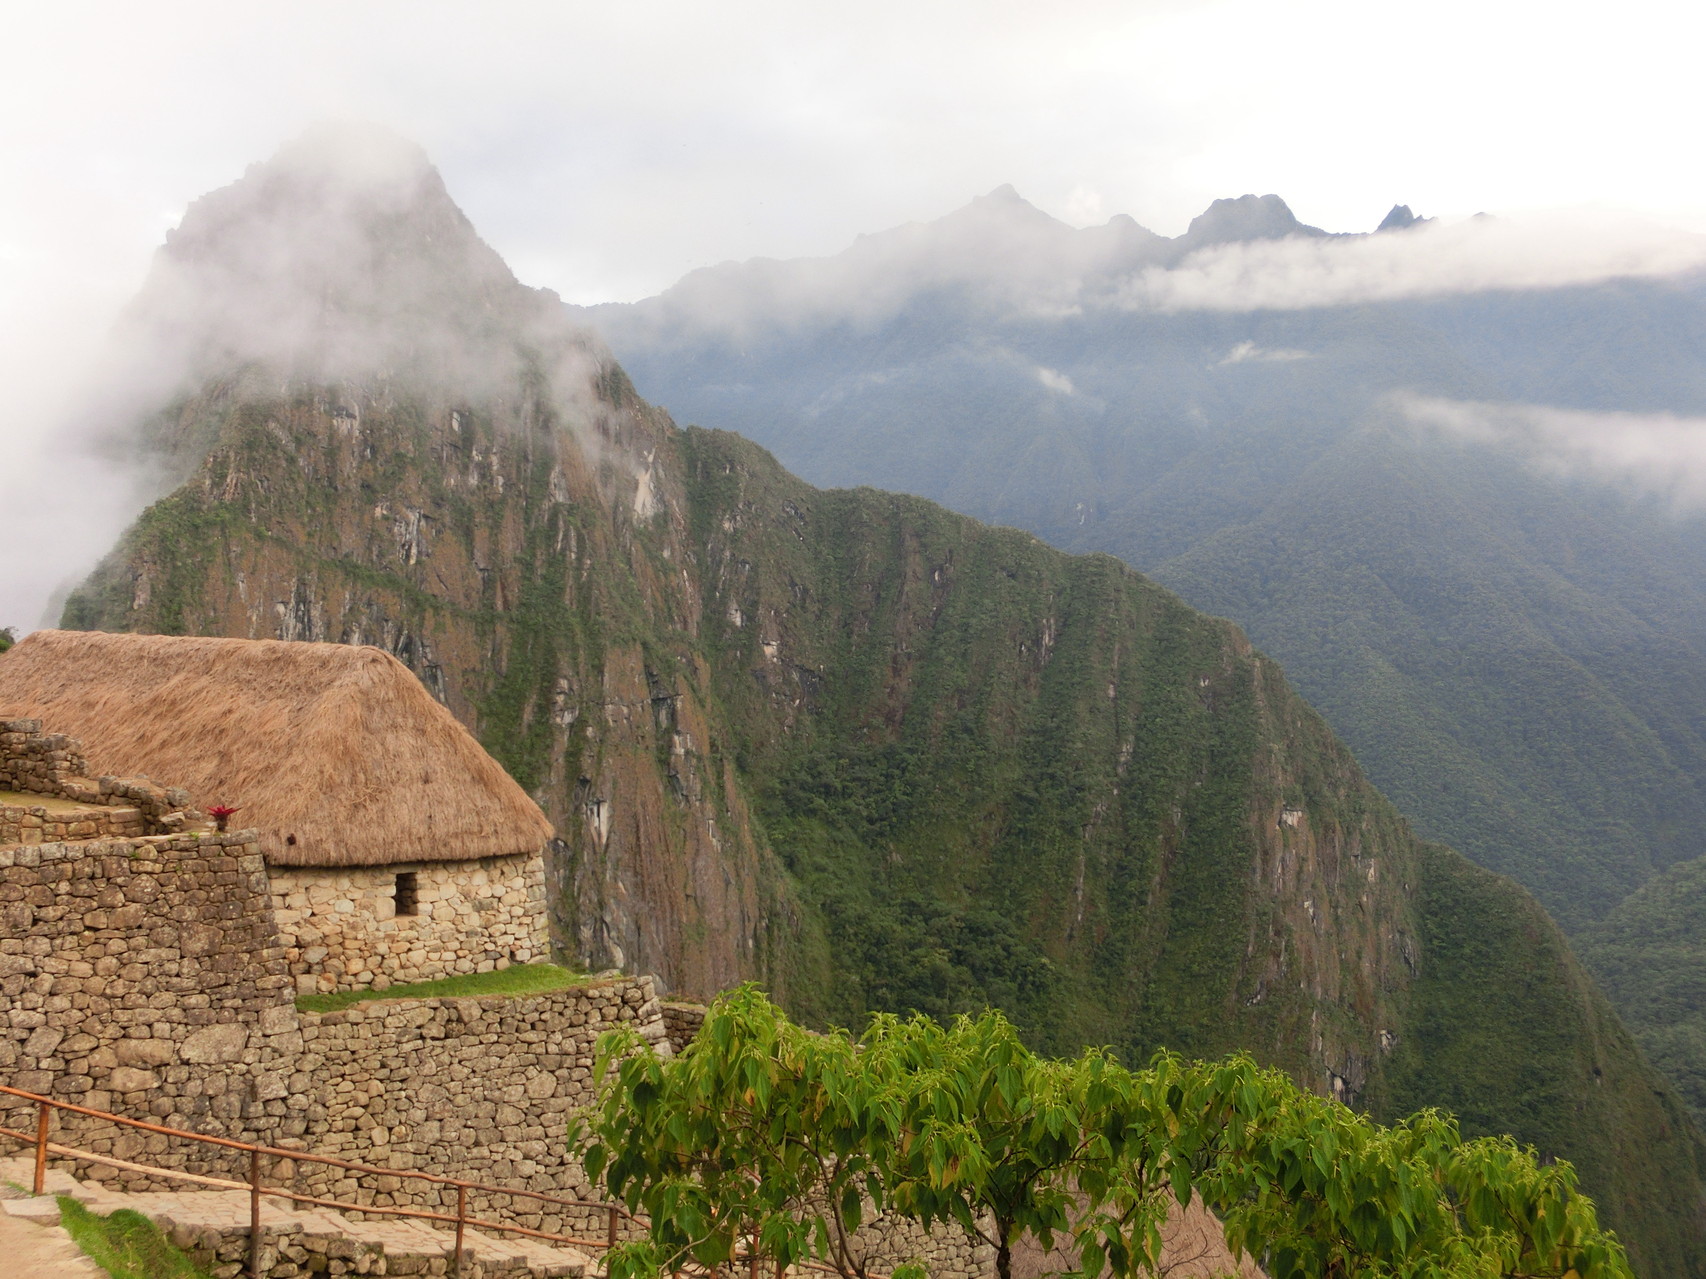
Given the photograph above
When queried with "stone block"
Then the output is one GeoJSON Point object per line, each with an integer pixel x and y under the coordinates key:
{"type": "Point", "coordinates": [129, 1079]}
{"type": "Point", "coordinates": [220, 1043]}
{"type": "Point", "coordinates": [278, 1020]}
{"type": "Point", "coordinates": [42, 1042]}
{"type": "Point", "coordinates": [146, 1053]}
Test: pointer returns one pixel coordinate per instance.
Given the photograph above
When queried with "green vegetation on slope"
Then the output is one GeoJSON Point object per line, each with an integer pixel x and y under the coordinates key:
{"type": "Point", "coordinates": [125, 1244]}
{"type": "Point", "coordinates": [1650, 955]}
{"type": "Point", "coordinates": [1511, 640]}
{"type": "Point", "coordinates": [1041, 784]}
{"type": "Point", "coordinates": [888, 758]}
{"type": "Point", "coordinates": [517, 979]}
{"type": "Point", "coordinates": [1506, 1031]}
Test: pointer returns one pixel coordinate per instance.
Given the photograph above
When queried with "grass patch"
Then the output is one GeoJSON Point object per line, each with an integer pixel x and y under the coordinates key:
{"type": "Point", "coordinates": [126, 1245]}
{"type": "Point", "coordinates": [518, 979]}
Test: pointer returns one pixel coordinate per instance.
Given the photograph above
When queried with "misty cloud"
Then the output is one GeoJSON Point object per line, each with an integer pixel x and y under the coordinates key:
{"type": "Point", "coordinates": [1249, 352]}
{"type": "Point", "coordinates": [341, 263]}
{"type": "Point", "coordinates": [1663, 454]}
{"type": "Point", "coordinates": [1471, 256]}
{"type": "Point", "coordinates": [1054, 380]}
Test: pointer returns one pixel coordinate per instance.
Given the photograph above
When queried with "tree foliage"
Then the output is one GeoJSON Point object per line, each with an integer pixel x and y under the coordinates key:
{"type": "Point", "coordinates": [765, 1139]}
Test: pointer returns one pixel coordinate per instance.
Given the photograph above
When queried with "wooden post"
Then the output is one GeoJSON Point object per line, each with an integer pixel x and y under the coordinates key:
{"type": "Point", "coordinates": [44, 1112]}
{"type": "Point", "coordinates": [610, 1230]}
{"type": "Point", "coordinates": [461, 1218]}
{"type": "Point", "coordinates": [255, 1214]}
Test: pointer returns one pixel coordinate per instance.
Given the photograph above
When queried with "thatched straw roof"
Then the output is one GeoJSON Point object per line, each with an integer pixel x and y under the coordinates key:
{"type": "Point", "coordinates": [335, 753]}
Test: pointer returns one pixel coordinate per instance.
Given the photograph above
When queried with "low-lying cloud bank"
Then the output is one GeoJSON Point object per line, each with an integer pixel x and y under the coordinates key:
{"type": "Point", "coordinates": [1663, 454]}
{"type": "Point", "coordinates": [1475, 255]}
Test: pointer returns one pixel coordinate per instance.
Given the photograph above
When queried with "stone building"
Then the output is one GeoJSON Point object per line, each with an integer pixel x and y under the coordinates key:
{"type": "Point", "coordinates": [397, 849]}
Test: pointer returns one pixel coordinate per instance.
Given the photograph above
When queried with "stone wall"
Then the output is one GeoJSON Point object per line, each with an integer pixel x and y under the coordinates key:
{"type": "Point", "coordinates": [148, 977]}
{"type": "Point", "coordinates": [683, 1020]}
{"type": "Point", "coordinates": [144, 976]}
{"type": "Point", "coordinates": [476, 1088]}
{"type": "Point", "coordinates": [54, 820]}
{"type": "Point", "coordinates": [341, 931]}
{"type": "Point", "coordinates": [39, 763]}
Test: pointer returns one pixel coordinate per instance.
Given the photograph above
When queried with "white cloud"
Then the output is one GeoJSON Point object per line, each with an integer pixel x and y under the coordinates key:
{"type": "Point", "coordinates": [606, 150]}
{"type": "Point", "coordinates": [1249, 352]}
{"type": "Point", "coordinates": [1054, 380]}
{"type": "Point", "coordinates": [1474, 255]}
{"type": "Point", "coordinates": [1658, 453]}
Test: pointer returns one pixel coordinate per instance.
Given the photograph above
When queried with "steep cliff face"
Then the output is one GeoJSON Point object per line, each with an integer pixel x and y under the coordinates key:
{"type": "Point", "coordinates": [870, 752]}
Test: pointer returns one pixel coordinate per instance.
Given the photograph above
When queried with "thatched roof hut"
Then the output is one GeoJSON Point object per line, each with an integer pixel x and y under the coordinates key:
{"type": "Point", "coordinates": [335, 753]}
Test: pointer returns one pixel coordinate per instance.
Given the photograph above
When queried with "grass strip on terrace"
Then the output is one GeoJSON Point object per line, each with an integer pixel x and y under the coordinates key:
{"type": "Point", "coordinates": [126, 1244]}
{"type": "Point", "coordinates": [517, 979]}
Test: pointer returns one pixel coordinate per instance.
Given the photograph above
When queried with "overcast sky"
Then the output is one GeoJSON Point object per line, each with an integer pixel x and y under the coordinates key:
{"type": "Point", "coordinates": [606, 149]}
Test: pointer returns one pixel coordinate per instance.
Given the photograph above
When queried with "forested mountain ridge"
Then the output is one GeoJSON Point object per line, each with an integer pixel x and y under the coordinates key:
{"type": "Point", "coordinates": [1650, 955]}
{"type": "Point", "coordinates": [872, 752]}
{"type": "Point", "coordinates": [1513, 653]}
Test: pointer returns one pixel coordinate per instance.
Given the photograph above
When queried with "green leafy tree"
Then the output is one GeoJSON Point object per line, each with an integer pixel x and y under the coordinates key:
{"type": "Point", "coordinates": [7, 638]}
{"type": "Point", "coordinates": [765, 1138]}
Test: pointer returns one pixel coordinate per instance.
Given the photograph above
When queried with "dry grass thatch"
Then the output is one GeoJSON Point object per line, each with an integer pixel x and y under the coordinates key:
{"type": "Point", "coordinates": [336, 754]}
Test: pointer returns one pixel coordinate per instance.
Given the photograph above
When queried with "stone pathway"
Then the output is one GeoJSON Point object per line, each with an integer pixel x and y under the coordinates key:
{"type": "Point", "coordinates": [38, 1251]}
{"type": "Point", "coordinates": [213, 1225]}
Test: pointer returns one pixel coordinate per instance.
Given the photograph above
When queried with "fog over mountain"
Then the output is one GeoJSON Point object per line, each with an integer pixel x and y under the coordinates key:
{"type": "Point", "coordinates": [871, 753]}
{"type": "Point", "coordinates": [1449, 474]}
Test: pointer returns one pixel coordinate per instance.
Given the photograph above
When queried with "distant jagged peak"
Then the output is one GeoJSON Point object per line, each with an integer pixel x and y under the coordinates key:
{"type": "Point", "coordinates": [1400, 219]}
{"type": "Point", "coordinates": [1248, 217]}
{"type": "Point", "coordinates": [1003, 206]}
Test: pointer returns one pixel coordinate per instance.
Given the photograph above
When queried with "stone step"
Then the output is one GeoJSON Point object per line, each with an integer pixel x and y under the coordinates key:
{"type": "Point", "coordinates": [213, 1225]}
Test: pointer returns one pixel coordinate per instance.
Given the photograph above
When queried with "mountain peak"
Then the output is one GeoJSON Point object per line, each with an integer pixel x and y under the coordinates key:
{"type": "Point", "coordinates": [353, 153]}
{"type": "Point", "coordinates": [341, 257]}
{"type": "Point", "coordinates": [343, 252]}
{"type": "Point", "coordinates": [1248, 217]}
{"type": "Point", "coordinates": [1400, 218]}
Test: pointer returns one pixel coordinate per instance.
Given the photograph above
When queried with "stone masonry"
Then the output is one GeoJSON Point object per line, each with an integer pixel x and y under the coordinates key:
{"type": "Point", "coordinates": [144, 976]}
{"type": "Point", "coordinates": [149, 975]}
{"type": "Point", "coordinates": [49, 821]}
{"type": "Point", "coordinates": [341, 928]}
{"type": "Point", "coordinates": [52, 765]}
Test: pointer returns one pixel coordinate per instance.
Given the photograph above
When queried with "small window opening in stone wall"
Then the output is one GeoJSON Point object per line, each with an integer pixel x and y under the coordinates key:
{"type": "Point", "coordinates": [408, 893]}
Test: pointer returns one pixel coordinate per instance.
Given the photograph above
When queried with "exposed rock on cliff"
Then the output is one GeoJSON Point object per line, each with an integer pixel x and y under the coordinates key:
{"type": "Point", "coordinates": [873, 753]}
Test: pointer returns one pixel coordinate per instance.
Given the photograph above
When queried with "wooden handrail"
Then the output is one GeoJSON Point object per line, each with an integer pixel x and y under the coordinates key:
{"type": "Point", "coordinates": [223, 1183]}
{"type": "Point", "coordinates": [303, 1156]}
{"type": "Point", "coordinates": [42, 1147]}
{"type": "Point", "coordinates": [257, 1189]}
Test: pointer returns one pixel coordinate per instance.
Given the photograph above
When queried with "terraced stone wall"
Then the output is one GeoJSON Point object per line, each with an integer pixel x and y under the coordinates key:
{"type": "Point", "coordinates": [148, 977]}
{"type": "Point", "coordinates": [35, 762]}
{"type": "Point", "coordinates": [481, 1089]}
{"type": "Point", "coordinates": [57, 820]}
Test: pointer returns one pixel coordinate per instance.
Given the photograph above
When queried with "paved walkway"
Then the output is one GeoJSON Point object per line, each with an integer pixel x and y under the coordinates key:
{"type": "Point", "coordinates": [39, 1251]}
